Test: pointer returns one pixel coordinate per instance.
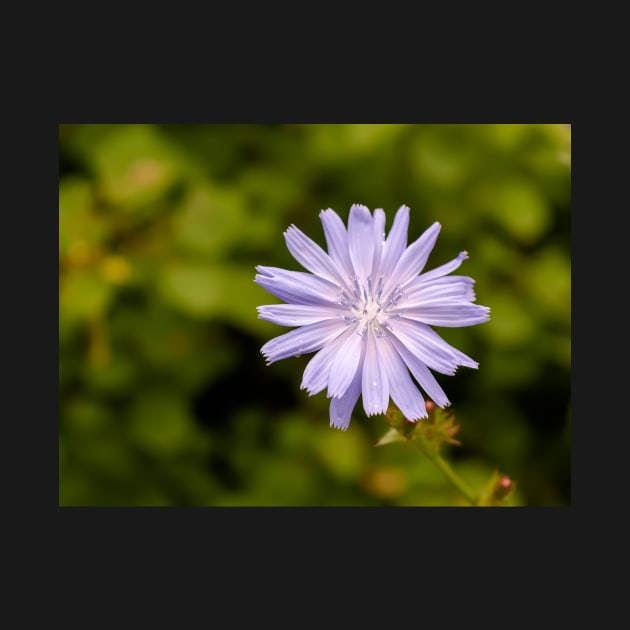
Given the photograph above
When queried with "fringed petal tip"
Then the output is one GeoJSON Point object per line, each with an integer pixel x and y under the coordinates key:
{"type": "Point", "coordinates": [422, 417]}
{"type": "Point", "coordinates": [339, 426]}
{"type": "Point", "coordinates": [341, 422]}
{"type": "Point", "coordinates": [290, 230]}
{"type": "Point", "coordinates": [374, 412]}
{"type": "Point", "coordinates": [307, 387]}
{"type": "Point", "coordinates": [263, 270]}
{"type": "Point", "coordinates": [485, 314]}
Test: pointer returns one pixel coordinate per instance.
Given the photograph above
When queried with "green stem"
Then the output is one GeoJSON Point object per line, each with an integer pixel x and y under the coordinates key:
{"type": "Point", "coordinates": [446, 469]}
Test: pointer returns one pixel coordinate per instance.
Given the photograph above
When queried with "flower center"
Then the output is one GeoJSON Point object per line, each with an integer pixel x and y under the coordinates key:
{"type": "Point", "coordinates": [368, 306]}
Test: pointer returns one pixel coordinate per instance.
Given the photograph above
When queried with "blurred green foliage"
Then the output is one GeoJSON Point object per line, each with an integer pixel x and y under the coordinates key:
{"type": "Point", "coordinates": [164, 397]}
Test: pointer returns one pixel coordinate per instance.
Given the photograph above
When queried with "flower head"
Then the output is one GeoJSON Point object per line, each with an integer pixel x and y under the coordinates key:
{"type": "Point", "coordinates": [366, 309]}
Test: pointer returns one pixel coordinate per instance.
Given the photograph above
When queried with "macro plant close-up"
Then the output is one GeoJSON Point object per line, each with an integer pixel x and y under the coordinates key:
{"type": "Point", "coordinates": [365, 309]}
{"type": "Point", "coordinates": [315, 315]}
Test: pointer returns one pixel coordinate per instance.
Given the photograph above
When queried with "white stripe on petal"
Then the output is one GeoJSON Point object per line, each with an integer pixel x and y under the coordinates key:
{"type": "Point", "coordinates": [461, 358]}
{"type": "Point", "coordinates": [374, 383]}
{"type": "Point", "coordinates": [315, 377]}
{"type": "Point", "coordinates": [428, 346]}
{"type": "Point", "coordinates": [302, 340]}
{"type": "Point", "coordinates": [422, 374]}
{"type": "Point", "coordinates": [452, 288]}
{"type": "Point", "coordinates": [402, 389]}
{"type": "Point", "coordinates": [379, 239]}
{"type": "Point", "coordinates": [298, 314]}
{"type": "Point", "coordinates": [446, 268]}
{"type": "Point", "coordinates": [361, 240]}
{"type": "Point", "coordinates": [447, 314]}
{"type": "Point", "coordinates": [345, 365]}
{"type": "Point", "coordinates": [297, 287]}
{"type": "Point", "coordinates": [424, 343]}
{"type": "Point", "coordinates": [341, 408]}
{"type": "Point", "coordinates": [310, 255]}
{"type": "Point", "coordinates": [396, 242]}
{"type": "Point", "coordinates": [414, 258]}
{"type": "Point", "coordinates": [337, 240]}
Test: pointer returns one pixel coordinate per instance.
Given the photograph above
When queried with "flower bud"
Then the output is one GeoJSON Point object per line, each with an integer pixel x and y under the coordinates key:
{"type": "Point", "coordinates": [503, 487]}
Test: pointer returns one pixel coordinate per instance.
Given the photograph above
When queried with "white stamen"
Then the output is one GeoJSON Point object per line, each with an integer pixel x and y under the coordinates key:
{"type": "Point", "coordinates": [368, 307]}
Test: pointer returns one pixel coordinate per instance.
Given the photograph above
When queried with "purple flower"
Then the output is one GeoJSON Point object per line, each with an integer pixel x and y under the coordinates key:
{"type": "Point", "coordinates": [367, 310]}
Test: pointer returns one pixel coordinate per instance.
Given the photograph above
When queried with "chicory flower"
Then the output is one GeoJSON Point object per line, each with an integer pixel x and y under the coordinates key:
{"type": "Point", "coordinates": [367, 309]}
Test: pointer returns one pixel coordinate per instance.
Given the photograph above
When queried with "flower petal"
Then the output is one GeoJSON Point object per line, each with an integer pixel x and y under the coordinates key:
{"type": "Point", "coordinates": [315, 377]}
{"type": "Point", "coordinates": [341, 408]}
{"type": "Point", "coordinates": [297, 287]}
{"type": "Point", "coordinates": [310, 255]}
{"type": "Point", "coordinates": [298, 314]}
{"type": "Point", "coordinates": [396, 242]}
{"type": "Point", "coordinates": [446, 313]}
{"type": "Point", "coordinates": [361, 240]}
{"type": "Point", "coordinates": [422, 374]}
{"type": "Point", "coordinates": [451, 288]}
{"type": "Point", "coordinates": [337, 240]}
{"type": "Point", "coordinates": [302, 340]}
{"type": "Point", "coordinates": [379, 239]}
{"type": "Point", "coordinates": [442, 270]}
{"type": "Point", "coordinates": [344, 365]}
{"type": "Point", "coordinates": [374, 383]}
{"type": "Point", "coordinates": [421, 341]}
{"type": "Point", "coordinates": [414, 258]}
{"type": "Point", "coordinates": [429, 347]}
{"type": "Point", "coordinates": [402, 389]}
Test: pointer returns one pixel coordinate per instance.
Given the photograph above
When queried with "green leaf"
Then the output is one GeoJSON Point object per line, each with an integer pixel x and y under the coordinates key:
{"type": "Point", "coordinates": [161, 422]}
{"type": "Point", "coordinates": [391, 435]}
{"type": "Point", "coordinates": [196, 289]}
{"type": "Point", "coordinates": [205, 291]}
{"type": "Point", "coordinates": [135, 166]}
{"type": "Point", "coordinates": [210, 221]}
{"type": "Point", "coordinates": [548, 278]}
{"type": "Point", "coordinates": [342, 453]}
{"type": "Point", "coordinates": [83, 296]}
{"type": "Point", "coordinates": [79, 226]}
{"type": "Point", "coordinates": [511, 324]}
{"type": "Point", "coordinates": [85, 416]}
{"type": "Point", "coordinates": [522, 210]}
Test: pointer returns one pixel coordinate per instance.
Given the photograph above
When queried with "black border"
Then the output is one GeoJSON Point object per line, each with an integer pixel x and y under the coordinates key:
{"type": "Point", "coordinates": [432, 543]}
